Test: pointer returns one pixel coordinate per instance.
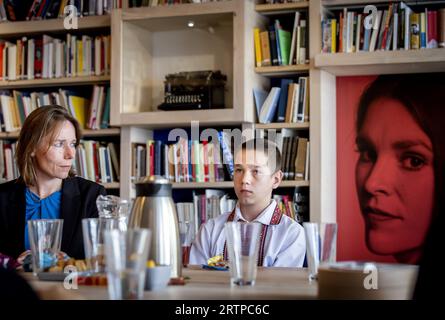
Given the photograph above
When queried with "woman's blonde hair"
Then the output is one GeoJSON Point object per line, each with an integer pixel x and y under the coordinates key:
{"type": "Point", "coordinates": [40, 123]}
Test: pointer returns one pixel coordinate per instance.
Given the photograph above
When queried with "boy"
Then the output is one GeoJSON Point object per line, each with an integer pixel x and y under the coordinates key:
{"type": "Point", "coordinates": [257, 173]}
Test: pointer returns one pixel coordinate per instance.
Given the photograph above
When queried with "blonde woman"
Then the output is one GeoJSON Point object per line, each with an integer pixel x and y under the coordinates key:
{"type": "Point", "coordinates": [47, 187]}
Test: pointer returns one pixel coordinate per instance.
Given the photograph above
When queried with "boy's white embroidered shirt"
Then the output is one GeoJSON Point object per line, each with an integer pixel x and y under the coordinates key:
{"type": "Point", "coordinates": [285, 244]}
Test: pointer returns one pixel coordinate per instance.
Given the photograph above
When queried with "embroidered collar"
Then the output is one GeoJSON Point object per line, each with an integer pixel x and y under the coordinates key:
{"type": "Point", "coordinates": [265, 217]}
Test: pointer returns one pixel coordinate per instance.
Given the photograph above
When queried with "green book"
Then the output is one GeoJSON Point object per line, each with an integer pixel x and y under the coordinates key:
{"type": "Point", "coordinates": [285, 40]}
{"type": "Point", "coordinates": [106, 116]}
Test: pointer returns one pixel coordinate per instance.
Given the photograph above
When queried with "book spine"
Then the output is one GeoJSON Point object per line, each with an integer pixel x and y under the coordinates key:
{"type": "Point", "coordinates": [257, 42]}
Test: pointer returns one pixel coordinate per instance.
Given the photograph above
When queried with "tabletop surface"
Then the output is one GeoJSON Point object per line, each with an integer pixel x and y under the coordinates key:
{"type": "Point", "coordinates": [271, 283]}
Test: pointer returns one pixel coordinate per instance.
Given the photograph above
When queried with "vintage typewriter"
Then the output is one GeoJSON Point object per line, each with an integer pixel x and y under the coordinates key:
{"type": "Point", "coordinates": [194, 90]}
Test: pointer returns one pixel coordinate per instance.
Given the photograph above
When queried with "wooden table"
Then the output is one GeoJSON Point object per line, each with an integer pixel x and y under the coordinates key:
{"type": "Point", "coordinates": [271, 283]}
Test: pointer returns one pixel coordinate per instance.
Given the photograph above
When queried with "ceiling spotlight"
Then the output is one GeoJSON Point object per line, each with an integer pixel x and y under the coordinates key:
{"type": "Point", "coordinates": [190, 24]}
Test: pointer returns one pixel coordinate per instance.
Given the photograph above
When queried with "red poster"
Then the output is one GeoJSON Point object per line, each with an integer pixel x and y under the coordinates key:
{"type": "Point", "coordinates": [390, 159]}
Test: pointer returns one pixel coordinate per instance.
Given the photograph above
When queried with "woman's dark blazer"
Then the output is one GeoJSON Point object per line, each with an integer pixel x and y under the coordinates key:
{"type": "Point", "coordinates": [78, 202]}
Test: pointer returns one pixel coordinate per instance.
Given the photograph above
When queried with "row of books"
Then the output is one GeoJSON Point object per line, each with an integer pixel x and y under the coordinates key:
{"type": "Point", "coordinates": [278, 47]}
{"type": "Point", "coordinates": [48, 57]}
{"type": "Point", "coordinates": [184, 161]}
{"type": "Point", "coordinates": [205, 206]}
{"type": "Point", "coordinates": [287, 103]}
{"type": "Point", "coordinates": [96, 161]}
{"type": "Point", "coordinates": [294, 152]}
{"type": "Point", "coordinates": [18, 10]}
{"type": "Point", "coordinates": [93, 114]}
{"type": "Point", "coordinates": [294, 157]}
{"type": "Point", "coordinates": [289, 208]}
{"type": "Point", "coordinates": [396, 28]}
{"type": "Point", "coordinates": [154, 3]}
{"type": "Point", "coordinates": [8, 167]}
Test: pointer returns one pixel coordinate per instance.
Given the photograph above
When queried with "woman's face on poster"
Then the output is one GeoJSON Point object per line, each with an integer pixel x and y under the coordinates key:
{"type": "Point", "coordinates": [394, 179]}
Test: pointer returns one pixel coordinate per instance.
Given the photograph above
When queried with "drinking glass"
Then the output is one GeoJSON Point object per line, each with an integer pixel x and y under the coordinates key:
{"type": "Point", "coordinates": [94, 243]}
{"type": "Point", "coordinates": [45, 237]}
{"type": "Point", "coordinates": [321, 243]}
{"type": "Point", "coordinates": [126, 257]}
{"type": "Point", "coordinates": [243, 241]}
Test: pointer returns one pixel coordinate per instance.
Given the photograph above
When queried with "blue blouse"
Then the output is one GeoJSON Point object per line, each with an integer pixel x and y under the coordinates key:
{"type": "Point", "coordinates": [36, 208]}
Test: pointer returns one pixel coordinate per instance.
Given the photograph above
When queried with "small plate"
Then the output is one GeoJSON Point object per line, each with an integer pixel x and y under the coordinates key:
{"type": "Point", "coordinates": [206, 266]}
{"type": "Point", "coordinates": [52, 276]}
{"type": "Point", "coordinates": [57, 276]}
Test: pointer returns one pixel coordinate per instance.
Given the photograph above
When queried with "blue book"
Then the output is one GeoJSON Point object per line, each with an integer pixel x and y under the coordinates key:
{"type": "Point", "coordinates": [107, 165]}
{"type": "Point", "coordinates": [158, 157]}
{"type": "Point", "coordinates": [226, 152]}
{"type": "Point", "coordinates": [270, 106]}
{"type": "Point", "coordinates": [366, 39]}
{"type": "Point", "coordinates": [277, 38]}
{"type": "Point", "coordinates": [260, 96]}
{"type": "Point", "coordinates": [282, 103]}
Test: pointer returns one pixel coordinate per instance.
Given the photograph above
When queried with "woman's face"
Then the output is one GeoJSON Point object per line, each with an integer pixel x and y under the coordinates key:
{"type": "Point", "coordinates": [394, 179]}
{"type": "Point", "coordinates": [56, 162]}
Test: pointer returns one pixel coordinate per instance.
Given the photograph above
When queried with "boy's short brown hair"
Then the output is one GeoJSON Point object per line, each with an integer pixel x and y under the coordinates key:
{"type": "Point", "coordinates": [268, 147]}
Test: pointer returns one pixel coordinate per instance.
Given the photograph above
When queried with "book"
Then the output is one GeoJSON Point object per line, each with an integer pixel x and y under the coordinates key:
{"type": "Point", "coordinates": [260, 96]}
{"type": "Point", "coordinates": [277, 26]}
{"type": "Point", "coordinates": [326, 41]}
{"type": "Point", "coordinates": [375, 31]}
{"type": "Point", "coordinates": [293, 88]}
{"type": "Point", "coordinates": [333, 36]}
{"type": "Point", "coordinates": [282, 103]}
{"type": "Point", "coordinates": [273, 46]}
{"type": "Point", "coordinates": [265, 49]}
{"type": "Point", "coordinates": [422, 30]}
{"type": "Point", "coordinates": [226, 152]}
{"type": "Point", "coordinates": [270, 105]}
{"type": "Point", "coordinates": [300, 160]}
{"type": "Point", "coordinates": [257, 43]}
{"type": "Point", "coordinates": [294, 36]}
{"type": "Point", "coordinates": [285, 39]}
{"type": "Point", "coordinates": [79, 105]}
{"type": "Point", "coordinates": [432, 30]}
{"type": "Point", "coordinates": [407, 25]}
{"type": "Point", "coordinates": [415, 31]}
{"type": "Point", "coordinates": [302, 99]}
{"type": "Point", "coordinates": [303, 42]}
{"type": "Point", "coordinates": [395, 37]}
{"type": "Point", "coordinates": [441, 27]}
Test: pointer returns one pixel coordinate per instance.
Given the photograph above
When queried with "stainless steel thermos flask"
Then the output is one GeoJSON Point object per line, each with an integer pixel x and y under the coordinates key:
{"type": "Point", "coordinates": [154, 209]}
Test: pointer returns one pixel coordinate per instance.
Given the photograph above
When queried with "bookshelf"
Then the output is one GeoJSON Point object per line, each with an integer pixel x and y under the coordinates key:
{"type": "Point", "coordinates": [271, 74]}
{"type": "Point", "coordinates": [154, 42]}
{"type": "Point", "coordinates": [34, 29]}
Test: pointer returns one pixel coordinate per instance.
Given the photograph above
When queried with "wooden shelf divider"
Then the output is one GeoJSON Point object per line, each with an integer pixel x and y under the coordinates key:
{"type": "Point", "coordinates": [283, 125]}
{"type": "Point", "coordinates": [86, 133]}
{"type": "Point", "coordinates": [51, 25]}
{"type": "Point", "coordinates": [275, 8]}
{"type": "Point", "coordinates": [54, 82]}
